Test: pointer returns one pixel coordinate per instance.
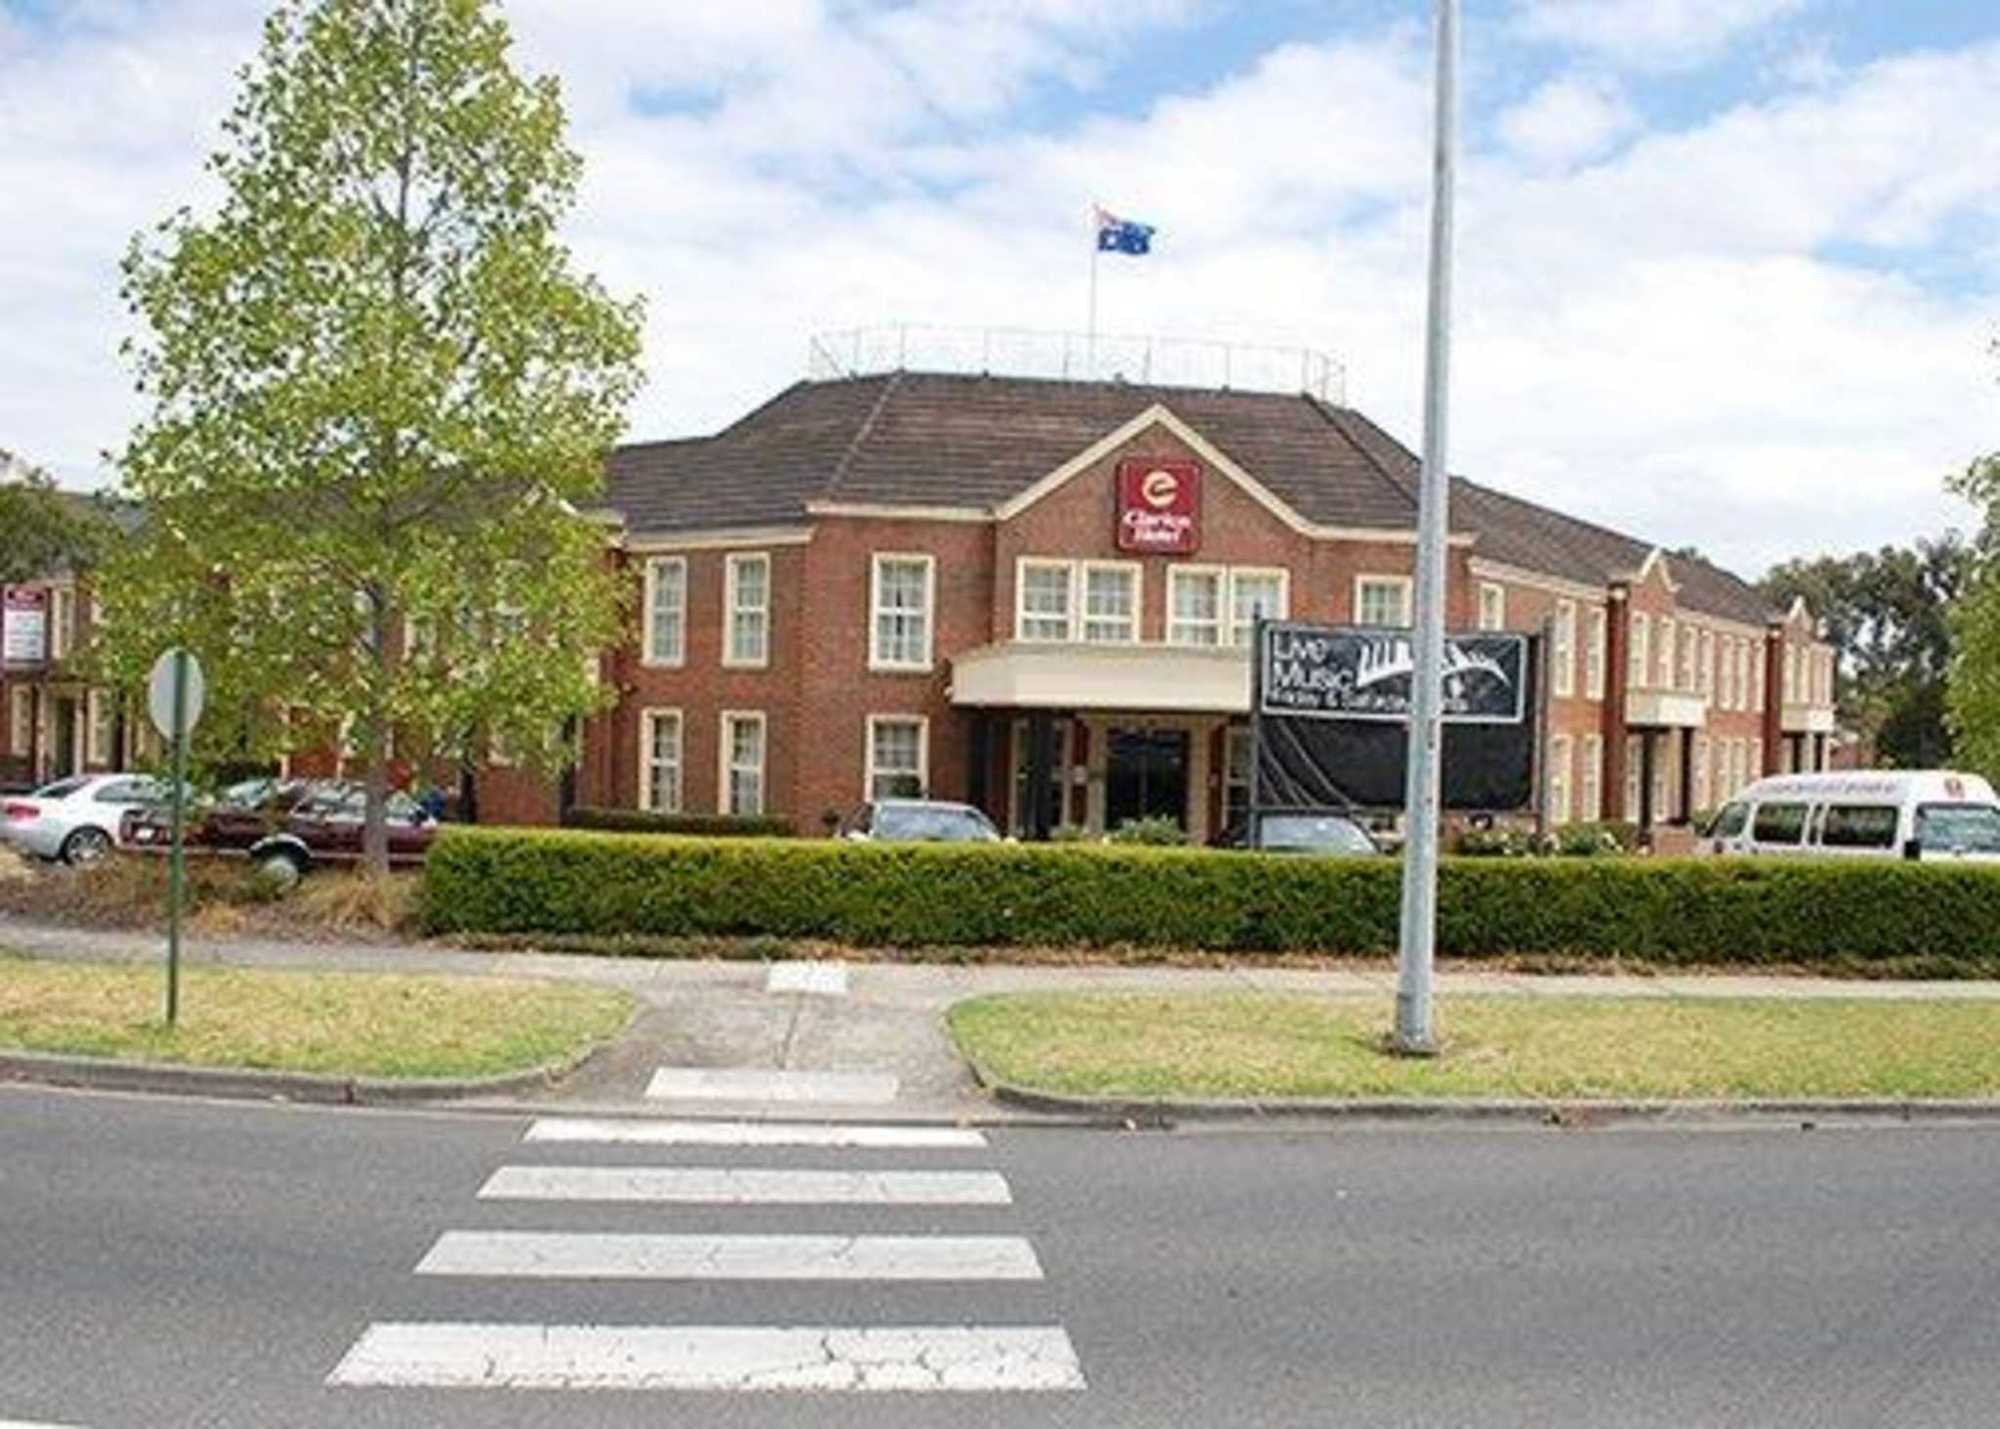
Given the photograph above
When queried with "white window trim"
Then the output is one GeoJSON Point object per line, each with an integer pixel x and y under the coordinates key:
{"type": "Point", "coordinates": [868, 771]}
{"type": "Point", "coordinates": [1079, 599]}
{"type": "Point", "coordinates": [1024, 564]}
{"type": "Point", "coordinates": [1592, 778]}
{"type": "Point", "coordinates": [1666, 653]}
{"type": "Point", "coordinates": [723, 752]}
{"type": "Point", "coordinates": [648, 656]}
{"type": "Point", "coordinates": [1563, 655]}
{"type": "Point", "coordinates": [1705, 678]}
{"type": "Point", "coordinates": [1284, 611]}
{"type": "Point", "coordinates": [1639, 655]}
{"type": "Point", "coordinates": [62, 631]}
{"type": "Point", "coordinates": [1596, 652]}
{"type": "Point", "coordinates": [1224, 615]}
{"type": "Point", "coordinates": [1560, 797]}
{"type": "Point", "coordinates": [1499, 592]}
{"type": "Point", "coordinates": [731, 564]}
{"type": "Point", "coordinates": [647, 718]}
{"type": "Point", "coordinates": [95, 705]}
{"type": "Point", "coordinates": [875, 658]}
{"type": "Point", "coordinates": [1406, 583]}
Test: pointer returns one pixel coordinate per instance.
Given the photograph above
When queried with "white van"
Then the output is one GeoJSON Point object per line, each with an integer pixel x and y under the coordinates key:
{"type": "Point", "coordinates": [1886, 813]}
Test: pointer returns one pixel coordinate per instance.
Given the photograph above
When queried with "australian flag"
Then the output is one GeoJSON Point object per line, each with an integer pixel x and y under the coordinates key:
{"type": "Point", "coordinates": [1122, 235]}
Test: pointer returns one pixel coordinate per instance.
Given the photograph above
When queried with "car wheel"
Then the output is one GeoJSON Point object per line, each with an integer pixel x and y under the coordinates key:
{"type": "Point", "coordinates": [86, 845]}
{"type": "Point", "coordinates": [282, 869]}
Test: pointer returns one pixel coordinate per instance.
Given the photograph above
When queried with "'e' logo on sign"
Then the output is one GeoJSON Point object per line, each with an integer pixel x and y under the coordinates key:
{"type": "Point", "coordinates": [1159, 488]}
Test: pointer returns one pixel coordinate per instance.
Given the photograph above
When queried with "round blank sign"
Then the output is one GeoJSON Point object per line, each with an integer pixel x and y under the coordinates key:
{"type": "Point", "coordinates": [160, 694]}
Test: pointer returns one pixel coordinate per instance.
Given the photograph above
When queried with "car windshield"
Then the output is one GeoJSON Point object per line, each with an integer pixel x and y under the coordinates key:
{"type": "Point", "coordinates": [61, 789]}
{"type": "Point", "coordinates": [1958, 828]}
{"type": "Point", "coordinates": [1314, 833]}
{"type": "Point", "coordinates": [922, 821]}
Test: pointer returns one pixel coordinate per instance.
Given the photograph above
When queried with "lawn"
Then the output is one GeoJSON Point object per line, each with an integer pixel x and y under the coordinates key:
{"type": "Point", "coordinates": [1271, 1046]}
{"type": "Point", "coordinates": [364, 1025]}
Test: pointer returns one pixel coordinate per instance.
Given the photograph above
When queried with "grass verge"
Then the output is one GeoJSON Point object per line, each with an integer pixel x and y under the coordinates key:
{"type": "Point", "coordinates": [1272, 1046]}
{"type": "Point", "coordinates": [363, 1025]}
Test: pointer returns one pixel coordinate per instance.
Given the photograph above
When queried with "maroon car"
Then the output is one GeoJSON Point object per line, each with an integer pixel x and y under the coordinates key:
{"type": "Point", "coordinates": [290, 828]}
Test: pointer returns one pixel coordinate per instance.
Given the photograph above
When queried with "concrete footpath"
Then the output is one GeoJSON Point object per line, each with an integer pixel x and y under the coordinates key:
{"type": "Point", "coordinates": [867, 1040]}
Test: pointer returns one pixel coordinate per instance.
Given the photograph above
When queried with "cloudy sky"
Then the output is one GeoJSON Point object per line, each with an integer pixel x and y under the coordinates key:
{"type": "Point", "coordinates": [1727, 266]}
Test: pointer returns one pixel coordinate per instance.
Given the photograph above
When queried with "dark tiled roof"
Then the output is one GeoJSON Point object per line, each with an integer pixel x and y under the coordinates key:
{"type": "Point", "coordinates": [931, 439]}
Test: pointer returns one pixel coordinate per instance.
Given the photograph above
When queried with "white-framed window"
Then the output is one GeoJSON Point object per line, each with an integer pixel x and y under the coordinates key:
{"type": "Point", "coordinates": [1756, 770]}
{"type": "Point", "coordinates": [660, 761]}
{"type": "Point", "coordinates": [1707, 685]}
{"type": "Point", "coordinates": [1492, 606]}
{"type": "Point", "coordinates": [1044, 600]}
{"type": "Point", "coordinates": [1254, 593]}
{"type": "Point", "coordinates": [1739, 756]}
{"type": "Point", "coordinates": [1563, 655]}
{"type": "Point", "coordinates": [901, 589]}
{"type": "Point", "coordinates": [103, 714]}
{"type": "Point", "coordinates": [1759, 653]}
{"type": "Point", "coordinates": [741, 784]}
{"type": "Point", "coordinates": [1632, 772]}
{"type": "Point", "coordinates": [1702, 790]}
{"type": "Point", "coordinates": [1382, 600]}
{"type": "Point", "coordinates": [1591, 807]}
{"type": "Point", "coordinates": [1690, 659]}
{"type": "Point", "coordinates": [1110, 602]}
{"type": "Point", "coordinates": [1666, 648]}
{"type": "Point", "coordinates": [666, 611]}
{"type": "Point", "coordinates": [1726, 695]}
{"type": "Point", "coordinates": [62, 623]}
{"type": "Point", "coordinates": [1641, 661]}
{"type": "Point", "coordinates": [747, 602]}
{"type": "Point", "coordinates": [1194, 605]}
{"type": "Point", "coordinates": [1594, 649]}
{"type": "Point", "coordinates": [20, 719]}
{"type": "Point", "coordinates": [1791, 674]}
{"type": "Point", "coordinates": [1744, 662]}
{"type": "Point", "coordinates": [898, 757]}
{"type": "Point", "coordinates": [1559, 811]}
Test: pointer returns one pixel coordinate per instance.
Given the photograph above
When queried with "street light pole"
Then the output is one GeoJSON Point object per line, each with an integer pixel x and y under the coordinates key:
{"type": "Point", "coordinates": [1414, 1034]}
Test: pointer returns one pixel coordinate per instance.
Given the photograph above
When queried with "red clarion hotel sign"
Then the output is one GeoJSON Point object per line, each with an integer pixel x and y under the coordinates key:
{"type": "Point", "coordinates": [1159, 506]}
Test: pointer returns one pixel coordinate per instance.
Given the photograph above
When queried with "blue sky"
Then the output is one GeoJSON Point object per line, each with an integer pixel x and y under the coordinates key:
{"type": "Point", "coordinates": [1726, 266]}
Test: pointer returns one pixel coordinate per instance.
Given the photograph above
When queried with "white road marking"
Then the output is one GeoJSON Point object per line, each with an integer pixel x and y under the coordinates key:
{"type": "Point", "coordinates": [756, 1133]}
{"type": "Point", "coordinates": [750, 1358]}
{"type": "Point", "coordinates": [742, 1186]}
{"type": "Point", "coordinates": [820, 979]}
{"type": "Point", "coordinates": [731, 1257]}
{"type": "Point", "coordinates": [745, 1084]}
{"type": "Point", "coordinates": [29, 1424]}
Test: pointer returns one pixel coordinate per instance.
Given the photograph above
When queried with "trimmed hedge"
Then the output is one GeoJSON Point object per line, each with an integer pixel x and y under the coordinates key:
{"type": "Point", "coordinates": [639, 821]}
{"type": "Point", "coordinates": [1853, 915]}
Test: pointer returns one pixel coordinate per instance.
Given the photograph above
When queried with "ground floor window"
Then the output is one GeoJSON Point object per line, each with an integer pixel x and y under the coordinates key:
{"type": "Point", "coordinates": [1239, 752]}
{"type": "Point", "coordinates": [1059, 766]}
{"type": "Point", "coordinates": [897, 767]}
{"type": "Point", "coordinates": [743, 763]}
{"type": "Point", "coordinates": [1146, 776]}
{"type": "Point", "coordinates": [103, 724]}
{"type": "Point", "coordinates": [1592, 779]}
{"type": "Point", "coordinates": [1558, 785]}
{"type": "Point", "coordinates": [21, 719]}
{"type": "Point", "coordinates": [660, 761]}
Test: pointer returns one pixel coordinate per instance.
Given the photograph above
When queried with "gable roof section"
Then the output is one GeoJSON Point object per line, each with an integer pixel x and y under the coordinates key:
{"type": "Point", "coordinates": [945, 442]}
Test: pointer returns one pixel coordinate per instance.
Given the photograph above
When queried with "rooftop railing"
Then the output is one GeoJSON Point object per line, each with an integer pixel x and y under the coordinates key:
{"type": "Point", "coordinates": [1075, 357]}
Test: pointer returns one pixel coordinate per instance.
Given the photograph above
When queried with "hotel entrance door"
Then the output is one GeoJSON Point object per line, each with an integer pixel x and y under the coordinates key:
{"type": "Point", "coordinates": [1146, 776]}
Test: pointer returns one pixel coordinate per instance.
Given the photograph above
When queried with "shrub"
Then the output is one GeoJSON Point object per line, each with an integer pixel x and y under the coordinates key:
{"type": "Point", "coordinates": [1849, 916]}
{"type": "Point", "coordinates": [642, 821]}
{"type": "Point", "coordinates": [1156, 831]}
{"type": "Point", "coordinates": [1496, 843]}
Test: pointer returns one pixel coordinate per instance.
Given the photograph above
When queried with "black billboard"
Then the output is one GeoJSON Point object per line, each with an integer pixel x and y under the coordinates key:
{"type": "Point", "coordinates": [1331, 708]}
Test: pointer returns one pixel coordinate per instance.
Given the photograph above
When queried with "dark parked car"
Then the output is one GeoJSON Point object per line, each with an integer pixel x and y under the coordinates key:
{"type": "Point", "coordinates": [918, 821]}
{"type": "Point", "coordinates": [287, 827]}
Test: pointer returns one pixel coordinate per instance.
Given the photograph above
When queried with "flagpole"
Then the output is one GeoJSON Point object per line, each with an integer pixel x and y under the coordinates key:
{"type": "Point", "coordinates": [1090, 341]}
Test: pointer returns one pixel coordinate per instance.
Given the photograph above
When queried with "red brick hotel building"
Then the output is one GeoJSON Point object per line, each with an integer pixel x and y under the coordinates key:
{"type": "Point", "coordinates": [1037, 595]}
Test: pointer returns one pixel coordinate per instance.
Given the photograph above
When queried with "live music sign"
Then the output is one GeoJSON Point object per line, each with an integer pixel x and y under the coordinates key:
{"type": "Point", "coordinates": [1159, 506]}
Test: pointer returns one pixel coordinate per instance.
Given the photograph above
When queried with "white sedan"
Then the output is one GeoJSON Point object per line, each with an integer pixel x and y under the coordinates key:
{"type": "Point", "coordinates": [75, 820]}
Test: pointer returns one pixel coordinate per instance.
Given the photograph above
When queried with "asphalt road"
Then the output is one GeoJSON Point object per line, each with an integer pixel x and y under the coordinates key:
{"type": "Point", "coordinates": [168, 1263]}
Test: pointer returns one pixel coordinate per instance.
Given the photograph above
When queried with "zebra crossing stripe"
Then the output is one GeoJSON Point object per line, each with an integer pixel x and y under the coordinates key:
{"type": "Point", "coordinates": [756, 1134]}
{"type": "Point", "coordinates": [762, 1084]}
{"type": "Point", "coordinates": [747, 1358]}
{"type": "Point", "coordinates": [554, 1255]}
{"type": "Point", "coordinates": [746, 1186]}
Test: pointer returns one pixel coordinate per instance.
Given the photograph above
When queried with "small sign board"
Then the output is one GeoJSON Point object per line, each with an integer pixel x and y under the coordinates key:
{"type": "Point", "coordinates": [160, 694]}
{"type": "Point", "coordinates": [1159, 506]}
{"type": "Point", "coordinates": [24, 625]}
{"type": "Point", "coordinates": [1366, 674]}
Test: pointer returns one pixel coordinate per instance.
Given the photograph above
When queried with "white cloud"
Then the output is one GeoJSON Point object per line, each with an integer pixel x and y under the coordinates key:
{"type": "Point", "coordinates": [1649, 34]}
{"type": "Point", "coordinates": [1568, 121]}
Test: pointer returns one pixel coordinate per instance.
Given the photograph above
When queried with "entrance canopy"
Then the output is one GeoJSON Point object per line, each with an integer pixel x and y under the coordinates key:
{"type": "Point", "coordinates": [1176, 679]}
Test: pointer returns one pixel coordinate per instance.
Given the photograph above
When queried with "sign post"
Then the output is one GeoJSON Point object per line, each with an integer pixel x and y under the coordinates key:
{"type": "Point", "coordinates": [174, 695]}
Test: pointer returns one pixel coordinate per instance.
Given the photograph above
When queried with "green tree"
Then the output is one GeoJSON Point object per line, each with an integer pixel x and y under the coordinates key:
{"type": "Point", "coordinates": [379, 396]}
{"type": "Point", "coordinates": [46, 530]}
{"type": "Point", "coordinates": [1885, 613]}
{"type": "Point", "coordinates": [1973, 696]}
